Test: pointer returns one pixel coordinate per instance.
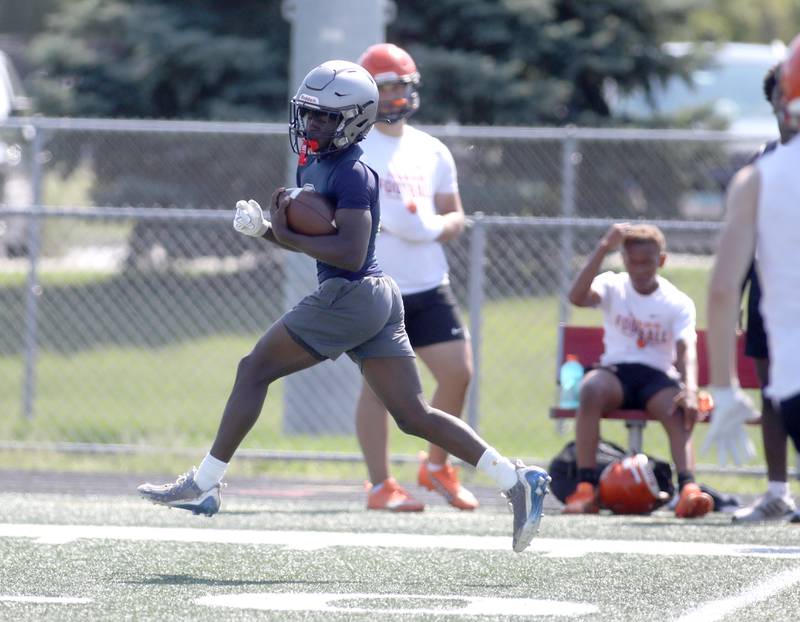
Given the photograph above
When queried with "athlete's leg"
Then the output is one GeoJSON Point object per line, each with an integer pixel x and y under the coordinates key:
{"type": "Point", "coordinates": [790, 415]}
{"type": "Point", "coordinates": [773, 432]}
{"type": "Point", "coordinates": [372, 430]}
{"type": "Point", "coordinates": [692, 501]}
{"type": "Point", "coordinates": [396, 383]}
{"type": "Point", "coordinates": [601, 391]}
{"type": "Point", "coordinates": [450, 362]}
{"type": "Point", "coordinates": [680, 439]}
{"type": "Point", "coordinates": [275, 355]}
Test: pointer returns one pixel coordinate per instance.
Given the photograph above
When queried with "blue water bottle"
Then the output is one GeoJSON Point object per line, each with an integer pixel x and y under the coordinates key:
{"type": "Point", "coordinates": [570, 376]}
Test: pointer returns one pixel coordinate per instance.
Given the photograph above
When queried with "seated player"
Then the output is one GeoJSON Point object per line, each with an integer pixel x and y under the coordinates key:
{"type": "Point", "coordinates": [649, 331]}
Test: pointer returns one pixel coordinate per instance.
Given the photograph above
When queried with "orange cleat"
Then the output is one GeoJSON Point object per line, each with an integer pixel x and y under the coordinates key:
{"type": "Point", "coordinates": [445, 482]}
{"type": "Point", "coordinates": [693, 502]}
{"type": "Point", "coordinates": [583, 501]}
{"type": "Point", "coordinates": [393, 497]}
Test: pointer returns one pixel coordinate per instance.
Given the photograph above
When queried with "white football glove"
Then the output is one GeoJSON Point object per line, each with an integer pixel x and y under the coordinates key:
{"type": "Point", "coordinates": [249, 219]}
{"type": "Point", "coordinates": [732, 408]}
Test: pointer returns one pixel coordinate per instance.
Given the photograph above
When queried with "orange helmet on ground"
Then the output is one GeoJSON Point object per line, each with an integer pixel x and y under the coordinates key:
{"type": "Point", "coordinates": [790, 85]}
{"type": "Point", "coordinates": [392, 66]}
{"type": "Point", "coordinates": [629, 486]}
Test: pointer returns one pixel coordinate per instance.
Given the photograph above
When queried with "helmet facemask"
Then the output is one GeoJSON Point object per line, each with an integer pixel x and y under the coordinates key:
{"type": "Point", "coordinates": [302, 136]}
{"type": "Point", "coordinates": [405, 101]}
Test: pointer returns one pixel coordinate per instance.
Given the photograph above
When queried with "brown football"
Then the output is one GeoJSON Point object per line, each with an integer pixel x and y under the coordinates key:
{"type": "Point", "coordinates": [310, 213]}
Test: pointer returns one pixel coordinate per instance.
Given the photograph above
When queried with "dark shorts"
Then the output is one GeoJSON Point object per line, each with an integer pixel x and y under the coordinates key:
{"type": "Point", "coordinates": [432, 317]}
{"type": "Point", "coordinates": [640, 383]}
{"type": "Point", "coordinates": [755, 344]}
{"type": "Point", "coordinates": [363, 318]}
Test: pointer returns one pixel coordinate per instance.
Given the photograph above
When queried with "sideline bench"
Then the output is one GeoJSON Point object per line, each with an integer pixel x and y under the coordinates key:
{"type": "Point", "coordinates": [586, 342]}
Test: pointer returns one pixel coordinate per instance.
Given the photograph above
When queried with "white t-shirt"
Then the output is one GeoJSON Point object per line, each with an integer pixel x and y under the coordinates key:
{"type": "Point", "coordinates": [778, 227]}
{"type": "Point", "coordinates": [643, 328]}
{"type": "Point", "coordinates": [412, 169]}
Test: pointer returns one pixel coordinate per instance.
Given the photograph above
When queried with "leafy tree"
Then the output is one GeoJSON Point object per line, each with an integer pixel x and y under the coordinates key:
{"type": "Point", "coordinates": [161, 59]}
{"type": "Point", "coordinates": [501, 62]}
{"type": "Point", "coordinates": [534, 62]}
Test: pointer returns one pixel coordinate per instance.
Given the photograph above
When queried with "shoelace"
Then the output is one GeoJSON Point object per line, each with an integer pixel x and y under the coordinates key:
{"type": "Point", "coordinates": [183, 478]}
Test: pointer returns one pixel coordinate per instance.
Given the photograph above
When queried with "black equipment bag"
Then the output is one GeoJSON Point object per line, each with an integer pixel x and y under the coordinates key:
{"type": "Point", "coordinates": [564, 468]}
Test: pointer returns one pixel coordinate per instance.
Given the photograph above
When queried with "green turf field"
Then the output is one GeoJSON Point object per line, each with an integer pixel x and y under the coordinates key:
{"type": "Point", "coordinates": [289, 553]}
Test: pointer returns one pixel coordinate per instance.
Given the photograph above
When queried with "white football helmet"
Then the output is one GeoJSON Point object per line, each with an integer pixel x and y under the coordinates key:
{"type": "Point", "coordinates": [336, 87]}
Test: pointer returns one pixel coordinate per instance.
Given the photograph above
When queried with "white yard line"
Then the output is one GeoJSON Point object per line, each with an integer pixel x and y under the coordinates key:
{"type": "Point", "coordinates": [58, 600]}
{"type": "Point", "coordinates": [344, 603]}
{"type": "Point", "coordinates": [718, 609]}
{"type": "Point", "coordinates": [311, 540]}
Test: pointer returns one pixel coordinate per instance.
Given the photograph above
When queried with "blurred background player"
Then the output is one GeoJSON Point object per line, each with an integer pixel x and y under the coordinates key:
{"type": "Point", "coordinates": [777, 502]}
{"type": "Point", "coordinates": [761, 215]}
{"type": "Point", "coordinates": [355, 309]}
{"type": "Point", "coordinates": [649, 326]}
{"type": "Point", "coordinates": [420, 209]}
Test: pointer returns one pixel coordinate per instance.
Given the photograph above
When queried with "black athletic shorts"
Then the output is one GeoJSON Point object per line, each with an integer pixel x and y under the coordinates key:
{"type": "Point", "coordinates": [755, 344]}
{"type": "Point", "coordinates": [432, 317]}
{"type": "Point", "coordinates": [639, 383]}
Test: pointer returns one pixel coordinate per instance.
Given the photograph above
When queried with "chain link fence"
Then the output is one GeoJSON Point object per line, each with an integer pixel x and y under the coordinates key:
{"type": "Point", "coordinates": [127, 298]}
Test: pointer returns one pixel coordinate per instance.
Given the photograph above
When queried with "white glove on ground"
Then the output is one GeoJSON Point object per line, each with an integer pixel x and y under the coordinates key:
{"type": "Point", "coordinates": [249, 219]}
{"type": "Point", "coordinates": [732, 408]}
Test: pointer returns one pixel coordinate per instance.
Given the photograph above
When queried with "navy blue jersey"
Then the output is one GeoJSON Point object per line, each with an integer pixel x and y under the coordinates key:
{"type": "Point", "coordinates": [349, 184]}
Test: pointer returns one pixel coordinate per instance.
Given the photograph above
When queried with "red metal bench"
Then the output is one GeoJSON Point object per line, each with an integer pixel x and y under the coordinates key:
{"type": "Point", "coordinates": [586, 342]}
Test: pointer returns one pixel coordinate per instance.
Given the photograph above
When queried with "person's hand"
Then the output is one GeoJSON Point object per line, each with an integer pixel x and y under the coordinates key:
{"type": "Point", "coordinates": [412, 224]}
{"type": "Point", "coordinates": [685, 404]}
{"type": "Point", "coordinates": [277, 212]}
{"type": "Point", "coordinates": [732, 408]}
{"type": "Point", "coordinates": [615, 236]}
{"type": "Point", "coordinates": [249, 219]}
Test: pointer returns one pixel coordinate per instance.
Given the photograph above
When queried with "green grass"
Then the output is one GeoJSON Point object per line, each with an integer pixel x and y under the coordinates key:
{"type": "Point", "coordinates": [172, 396]}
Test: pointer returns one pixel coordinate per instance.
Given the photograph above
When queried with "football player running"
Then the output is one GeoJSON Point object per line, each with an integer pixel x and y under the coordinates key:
{"type": "Point", "coordinates": [420, 209]}
{"type": "Point", "coordinates": [761, 217]}
{"type": "Point", "coordinates": [356, 309]}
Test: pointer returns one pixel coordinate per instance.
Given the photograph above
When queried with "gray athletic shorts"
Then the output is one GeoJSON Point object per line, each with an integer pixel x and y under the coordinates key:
{"type": "Point", "coordinates": [363, 318]}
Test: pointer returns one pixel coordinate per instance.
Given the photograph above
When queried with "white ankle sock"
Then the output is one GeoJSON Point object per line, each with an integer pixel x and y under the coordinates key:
{"type": "Point", "coordinates": [500, 469]}
{"type": "Point", "coordinates": [778, 489]}
{"type": "Point", "coordinates": [210, 472]}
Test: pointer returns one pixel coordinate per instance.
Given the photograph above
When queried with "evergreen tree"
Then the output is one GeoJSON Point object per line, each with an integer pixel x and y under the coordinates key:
{"type": "Point", "coordinates": [161, 59]}
{"type": "Point", "coordinates": [534, 62]}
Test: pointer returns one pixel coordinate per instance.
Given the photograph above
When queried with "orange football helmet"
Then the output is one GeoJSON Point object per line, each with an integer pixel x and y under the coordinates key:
{"type": "Point", "coordinates": [391, 65]}
{"type": "Point", "coordinates": [790, 85]}
{"type": "Point", "coordinates": [629, 486]}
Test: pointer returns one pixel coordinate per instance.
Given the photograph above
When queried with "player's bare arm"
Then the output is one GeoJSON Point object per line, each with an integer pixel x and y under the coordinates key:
{"type": "Point", "coordinates": [735, 249]}
{"type": "Point", "coordinates": [581, 293]}
{"type": "Point", "coordinates": [449, 207]}
{"type": "Point", "coordinates": [346, 249]}
{"type": "Point", "coordinates": [686, 364]}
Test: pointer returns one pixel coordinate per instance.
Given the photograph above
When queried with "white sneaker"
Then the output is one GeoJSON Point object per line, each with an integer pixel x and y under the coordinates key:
{"type": "Point", "coordinates": [766, 508]}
